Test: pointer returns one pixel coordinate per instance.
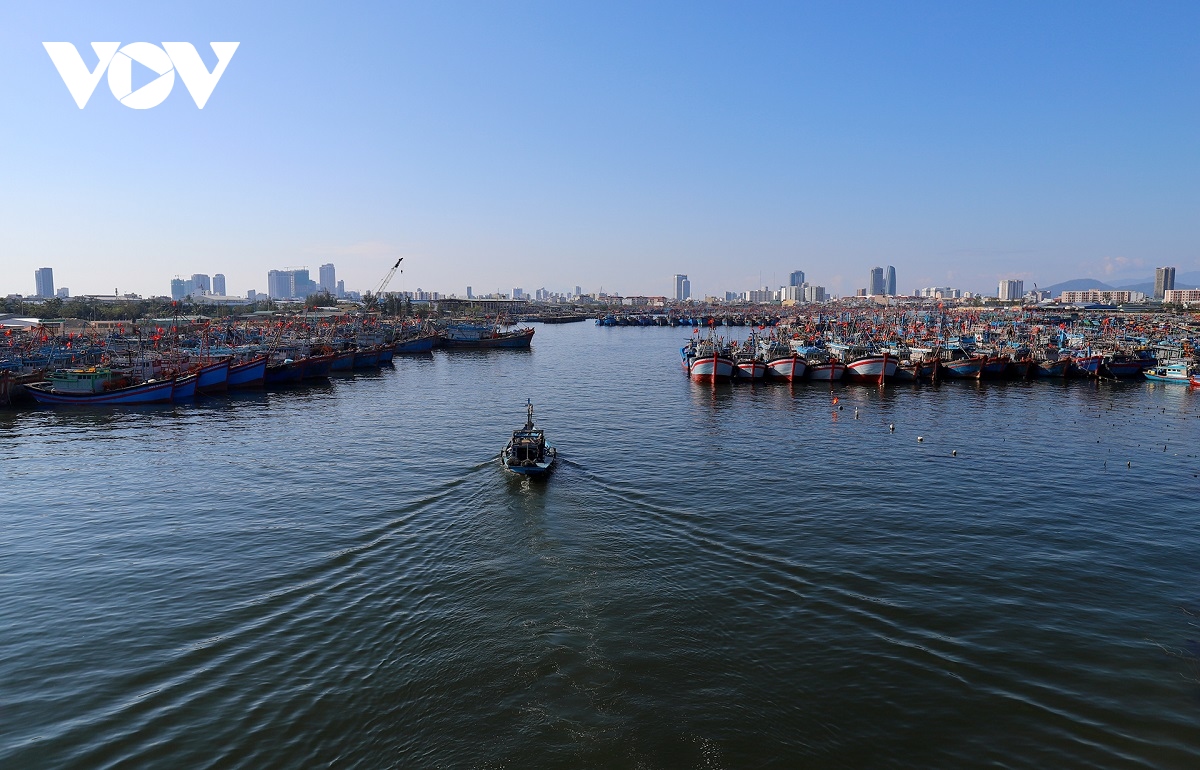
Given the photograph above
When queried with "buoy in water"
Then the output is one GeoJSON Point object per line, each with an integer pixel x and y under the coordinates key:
{"type": "Point", "coordinates": [954, 453]}
{"type": "Point", "coordinates": [920, 439]}
{"type": "Point", "coordinates": [892, 427]}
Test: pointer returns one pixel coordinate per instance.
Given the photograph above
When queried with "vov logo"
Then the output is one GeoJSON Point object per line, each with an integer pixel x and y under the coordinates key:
{"type": "Point", "coordinates": [118, 61]}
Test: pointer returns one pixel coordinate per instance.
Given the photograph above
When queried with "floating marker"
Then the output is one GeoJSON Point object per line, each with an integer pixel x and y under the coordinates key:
{"type": "Point", "coordinates": [954, 453]}
{"type": "Point", "coordinates": [892, 427]}
{"type": "Point", "coordinates": [920, 439]}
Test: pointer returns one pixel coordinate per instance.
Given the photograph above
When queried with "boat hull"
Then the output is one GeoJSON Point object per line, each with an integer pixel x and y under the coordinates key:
{"type": "Point", "coordinates": [1124, 369]}
{"type": "Point", "coordinates": [1047, 369]}
{"type": "Point", "coordinates": [284, 374]}
{"type": "Point", "coordinates": [791, 368]}
{"type": "Point", "coordinates": [872, 368]}
{"type": "Point", "coordinates": [1085, 366]}
{"type": "Point", "coordinates": [366, 358]}
{"type": "Point", "coordinates": [154, 392]}
{"type": "Point", "coordinates": [751, 370]}
{"type": "Point", "coordinates": [342, 362]}
{"type": "Point", "coordinates": [516, 339]}
{"type": "Point", "coordinates": [830, 371]}
{"type": "Point", "coordinates": [711, 368]}
{"type": "Point", "coordinates": [185, 387]}
{"type": "Point", "coordinates": [962, 369]}
{"type": "Point", "coordinates": [250, 374]}
{"type": "Point", "coordinates": [213, 378]}
{"type": "Point", "coordinates": [417, 345]}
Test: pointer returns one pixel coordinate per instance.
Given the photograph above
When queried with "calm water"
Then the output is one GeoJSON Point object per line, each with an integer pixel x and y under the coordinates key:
{"type": "Point", "coordinates": [731, 577]}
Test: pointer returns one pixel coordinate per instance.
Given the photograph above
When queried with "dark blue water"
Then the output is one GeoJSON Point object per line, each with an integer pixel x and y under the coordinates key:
{"type": "Point", "coordinates": [714, 577]}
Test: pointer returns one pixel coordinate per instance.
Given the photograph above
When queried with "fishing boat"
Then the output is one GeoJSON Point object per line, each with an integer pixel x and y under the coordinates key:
{"type": "Point", "coordinates": [864, 364]}
{"type": "Point", "coordinates": [782, 362]}
{"type": "Point", "coordinates": [708, 360]}
{"type": "Point", "coordinates": [1085, 365]}
{"type": "Point", "coordinates": [421, 344]}
{"type": "Point", "coordinates": [1122, 365]}
{"type": "Point", "coordinates": [1048, 368]}
{"type": "Point", "coordinates": [248, 374]}
{"type": "Point", "coordinates": [820, 364]}
{"type": "Point", "coordinates": [749, 361]}
{"type": "Point", "coordinates": [365, 358]}
{"type": "Point", "coordinates": [466, 335]}
{"type": "Point", "coordinates": [316, 367]}
{"type": "Point", "coordinates": [1176, 371]}
{"type": "Point", "coordinates": [185, 387]}
{"type": "Point", "coordinates": [96, 386]}
{"type": "Point", "coordinates": [527, 452]}
{"type": "Point", "coordinates": [285, 372]}
{"type": "Point", "coordinates": [213, 378]}
{"type": "Point", "coordinates": [342, 362]}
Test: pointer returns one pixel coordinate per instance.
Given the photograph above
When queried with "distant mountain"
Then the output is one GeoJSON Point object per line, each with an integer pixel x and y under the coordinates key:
{"type": "Point", "coordinates": [1079, 284]}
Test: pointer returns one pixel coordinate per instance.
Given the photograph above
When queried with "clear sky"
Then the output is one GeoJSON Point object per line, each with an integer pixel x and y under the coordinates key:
{"type": "Point", "coordinates": [610, 145]}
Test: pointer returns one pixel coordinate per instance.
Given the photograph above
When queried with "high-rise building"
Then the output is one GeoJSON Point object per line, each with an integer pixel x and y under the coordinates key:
{"type": "Point", "coordinates": [252, 295]}
{"type": "Point", "coordinates": [202, 283]}
{"type": "Point", "coordinates": [63, 292]}
{"type": "Point", "coordinates": [281, 284]}
{"type": "Point", "coordinates": [578, 291]}
{"type": "Point", "coordinates": [889, 282]}
{"type": "Point", "coordinates": [683, 288]}
{"type": "Point", "coordinates": [796, 278]}
{"type": "Point", "coordinates": [1010, 290]}
{"type": "Point", "coordinates": [875, 285]}
{"type": "Point", "coordinates": [43, 279]}
{"type": "Point", "coordinates": [341, 289]}
{"type": "Point", "coordinates": [814, 293]}
{"type": "Point", "coordinates": [1164, 281]}
{"type": "Point", "coordinates": [178, 289]}
{"type": "Point", "coordinates": [517, 293]}
{"type": "Point", "coordinates": [219, 285]}
{"type": "Point", "coordinates": [469, 294]}
{"type": "Point", "coordinates": [328, 278]}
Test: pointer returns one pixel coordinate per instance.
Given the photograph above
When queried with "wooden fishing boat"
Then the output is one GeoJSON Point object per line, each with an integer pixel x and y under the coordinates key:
{"type": "Point", "coordinates": [98, 386]}
{"type": "Point", "coordinates": [463, 335]}
{"type": "Point", "coordinates": [527, 452]}
{"type": "Point", "coordinates": [185, 386]}
{"type": "Point", "coordinates": [248, 374]}
{"type": "Point", "coordinates": [213, 378]}
{"type": "Point", "coordinates": [285, 372]}
{"type": "Point", "coordinates": [422, 344]}
{"type": "Point", "coordinates": [707, 360]}
{"type": "Point", "coordinates": [1053, 369]}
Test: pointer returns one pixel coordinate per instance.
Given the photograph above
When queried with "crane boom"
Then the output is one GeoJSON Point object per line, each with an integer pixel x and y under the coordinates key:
{"type": "Point", "coordinates": [388, 278]}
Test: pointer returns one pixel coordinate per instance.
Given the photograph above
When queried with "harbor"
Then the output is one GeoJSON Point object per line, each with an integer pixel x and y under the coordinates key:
{"type": "Point", "coordinates": [721, 570]}
{"type": "Point", "coordinates": [190, 358]}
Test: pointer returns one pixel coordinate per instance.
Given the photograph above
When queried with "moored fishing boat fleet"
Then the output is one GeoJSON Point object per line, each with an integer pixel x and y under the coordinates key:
{"type": "Point", "coordinates": [180, 363]}
{"type": "Point", "coordinates": [878, 348]}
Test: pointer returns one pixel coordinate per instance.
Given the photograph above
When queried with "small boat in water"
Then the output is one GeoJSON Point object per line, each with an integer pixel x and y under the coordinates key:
{"type": "Point", "coordinates": [1176, 371]}
{"type": "Point", "coordinates": [527, 452]}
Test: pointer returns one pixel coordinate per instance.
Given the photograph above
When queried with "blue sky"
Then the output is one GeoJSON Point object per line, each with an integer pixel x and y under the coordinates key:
{"type": "Point", "coordinates": [610, 145]}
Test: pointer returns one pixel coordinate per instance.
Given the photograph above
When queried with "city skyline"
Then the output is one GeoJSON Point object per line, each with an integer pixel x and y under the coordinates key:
{"type": "Point", "coordinates": [502, 147]}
